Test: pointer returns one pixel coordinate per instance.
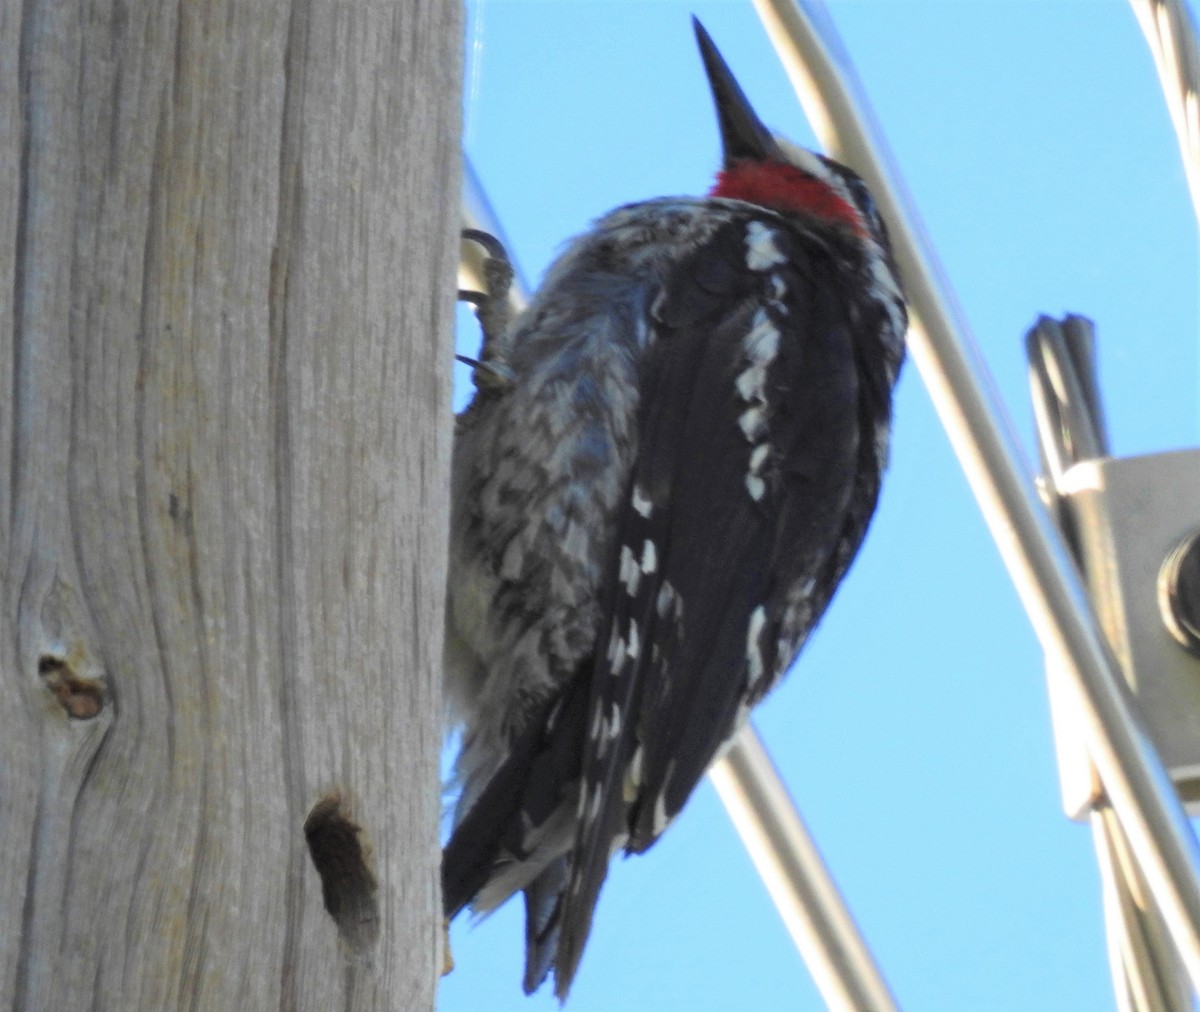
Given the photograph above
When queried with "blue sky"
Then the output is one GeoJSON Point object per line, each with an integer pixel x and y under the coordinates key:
{"type": "Point", "coordinates": [914, 731]}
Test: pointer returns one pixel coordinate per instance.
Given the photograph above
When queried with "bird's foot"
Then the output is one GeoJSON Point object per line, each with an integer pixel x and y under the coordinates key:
{"type": "Point", "coordinates": [491, 308]}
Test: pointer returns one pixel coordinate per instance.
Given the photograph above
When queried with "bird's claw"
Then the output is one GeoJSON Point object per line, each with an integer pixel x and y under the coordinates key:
{"type": "Point", "coordinates": [491, 309]}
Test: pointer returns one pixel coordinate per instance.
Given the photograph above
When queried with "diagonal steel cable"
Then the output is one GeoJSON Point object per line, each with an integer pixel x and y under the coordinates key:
{"type": "Point", "coordinates": [1170, 31]}
{"type": "Point", "coordinates": [944, 352]}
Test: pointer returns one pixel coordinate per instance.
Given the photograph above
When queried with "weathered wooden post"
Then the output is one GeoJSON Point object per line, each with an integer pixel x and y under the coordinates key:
{"type": "Point", "coordinates": [227, 247]}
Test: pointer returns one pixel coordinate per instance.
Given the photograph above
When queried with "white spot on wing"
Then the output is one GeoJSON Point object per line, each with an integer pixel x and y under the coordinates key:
{"type": "Point", "coordinates": [614, 649]}
{"type": "Point", "coordinates": [631, 646]}
{"type": "Point", "coordinates": [666, 598]}
{"type": "Point", "coordinates": [630, 574]}
{"type": "Point", "coordinates": [649, 557]}
{"type": "Point", "coordinates": [762, 341]}
{"type": "Point", "coordinates": [754, 480]}
{"type": "Point", "coordinates": [660, 815]}
{"type": "Point", "coordinates": [640, 503]}
{"type": "Point", "coordinates": [750, 383]}
{"type": "Point", "coordinates": [753, 422]}
{"type": "Point", "coordinates": [760, 346]}
{"type": "Point", "coordinates": [633, 776]}
{"type": "Point", "coordinates": [594, 809]}
{"type": "Point", "coordinates": [739, 718]}
{"type": "Point", "coordinates": [754, 657]}
{"type": "Point", "coordinates": [761, 251]}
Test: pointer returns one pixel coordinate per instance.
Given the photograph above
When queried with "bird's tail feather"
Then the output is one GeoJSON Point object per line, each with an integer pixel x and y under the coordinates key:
{"type": "Point", "coordinates": [543, 905]}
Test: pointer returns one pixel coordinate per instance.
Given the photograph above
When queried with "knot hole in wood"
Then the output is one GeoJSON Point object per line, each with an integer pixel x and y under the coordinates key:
{"type": "Point", "coordinates": [348, 885]}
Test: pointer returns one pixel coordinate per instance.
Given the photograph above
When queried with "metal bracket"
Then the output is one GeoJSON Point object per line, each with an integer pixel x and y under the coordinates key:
{"type": "Point", "coordinates": [1135, 522]}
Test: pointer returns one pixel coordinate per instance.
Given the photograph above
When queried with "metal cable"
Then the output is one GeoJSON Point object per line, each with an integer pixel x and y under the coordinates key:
{"type": "Point", "coordinates": [800, 886]}
{"type": "Point", "coordinates": [1070, 426]}
{"type": "Point", "coordinates": [1045, 577]}
{"type": "Point", "coordinates": [1170, 32]}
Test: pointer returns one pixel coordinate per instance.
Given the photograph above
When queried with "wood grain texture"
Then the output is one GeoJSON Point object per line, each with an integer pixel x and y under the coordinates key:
{"type": "Point", "coordinates": [228, 233]}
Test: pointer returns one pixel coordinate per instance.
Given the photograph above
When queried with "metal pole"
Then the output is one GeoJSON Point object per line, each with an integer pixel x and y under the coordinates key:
{"type": "Point", "coordinates": [1049, 586]}
{"type": "Point", "coordinates": [758, 804]}
{"type": "Point", "coordinates": [1146, 976]}
{"type": "Point", "coordinates": [790, 866]}
{"type": "Point", "coordinates": [1064, 388]}
{"type": "Point", "coordinates": [1171, 35]}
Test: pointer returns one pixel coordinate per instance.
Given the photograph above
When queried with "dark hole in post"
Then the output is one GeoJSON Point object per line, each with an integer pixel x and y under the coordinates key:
{"type": "Point", "coordinates": [347, 884]}
{"type": "Point", "coordinates": [82, 698]}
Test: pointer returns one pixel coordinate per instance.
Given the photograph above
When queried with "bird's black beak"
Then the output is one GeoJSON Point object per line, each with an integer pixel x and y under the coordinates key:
{"type": "Point", "coordinates": [742, 133]}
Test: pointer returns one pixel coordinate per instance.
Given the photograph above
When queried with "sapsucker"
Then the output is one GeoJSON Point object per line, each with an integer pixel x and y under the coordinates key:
{"type": "Point", "coordinates": [671, 458]}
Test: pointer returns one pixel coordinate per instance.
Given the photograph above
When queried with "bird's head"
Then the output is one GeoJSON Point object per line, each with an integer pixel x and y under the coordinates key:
{"type": "Point", "coordinates": [763, 169]}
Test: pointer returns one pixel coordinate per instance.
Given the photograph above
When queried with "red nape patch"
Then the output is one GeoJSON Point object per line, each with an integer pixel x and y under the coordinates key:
{"type": "Point", "coordinates": [785, 188]}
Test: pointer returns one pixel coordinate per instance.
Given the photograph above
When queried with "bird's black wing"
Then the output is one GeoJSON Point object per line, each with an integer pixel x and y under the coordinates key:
{"type": "Point", "coordinates": [752, 488]}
